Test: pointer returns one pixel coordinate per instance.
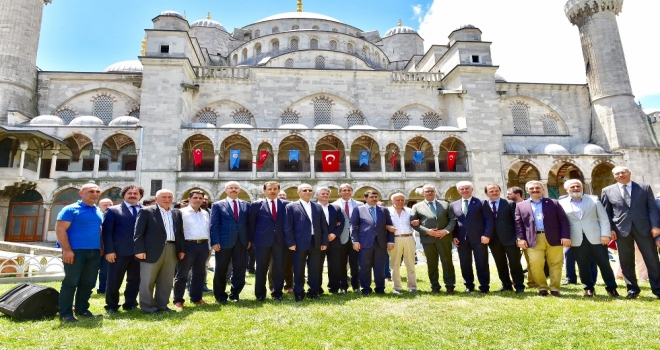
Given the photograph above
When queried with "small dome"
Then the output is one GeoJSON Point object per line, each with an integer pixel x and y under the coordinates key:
{"type": "Point", "coordinates": [298, 15]}
{"type": "Point", "coordinates": [327, 126]}
{"type": "Point", "coordinates": [363, 127]}
{"type": "Point", "coordinates": [400, 30]}
{"type": "Point", "coordinates": [587, 148]}
{"type": "Point", "coordinates": [125, 66]}
{"type": "Point", "coordinates": [47, 120]}
{"type": "Point", "coordinates": [124, 121]}
{"type": "Point", "coordinates": [171, 14]}
{"type": "Point", "coordinates": [87, 120]}
{"type": "Point", "coordinates": [467, 26]}
{"type": "Point", "coordinates": [201, 125]}
{"type": "Point", "coordinates": [208, 23]}
{"type": "Point", "coordinates": [550, 148]}
{"type": "Point", "coordinates": [293, 126]}
{"type": "Point", "coordinates": [446, 128]}
{"type": "Point", "coordinates": [499, 79]}
{"type": "Point", "coordinates": [415, 127]}
{"type": "Point", "coordinates": [514, 148]}
{"type": "Point", "coordinates": [237, 126]}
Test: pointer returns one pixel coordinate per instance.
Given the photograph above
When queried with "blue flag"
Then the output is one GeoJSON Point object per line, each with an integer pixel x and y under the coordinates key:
{"type": "Point", "coordinates": [235, 158]}
{"type": "Point", "coordinates": [418, 156]}
{"type": "Point", "coordinates": [364, 157]}
{"type": "Point", "coordinates": [294, 154]}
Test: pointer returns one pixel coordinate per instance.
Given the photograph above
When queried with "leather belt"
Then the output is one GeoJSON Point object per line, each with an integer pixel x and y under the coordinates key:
{"type": "Point", "coordinates": [540, 232]}
{"type": "Point", "coordinates": [405, 235]}
{"type": "Point", "coordinates": [197, 240]}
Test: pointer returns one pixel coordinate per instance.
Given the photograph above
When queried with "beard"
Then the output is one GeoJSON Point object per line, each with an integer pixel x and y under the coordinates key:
{"type": "Point", "coordinates": [576, 195]}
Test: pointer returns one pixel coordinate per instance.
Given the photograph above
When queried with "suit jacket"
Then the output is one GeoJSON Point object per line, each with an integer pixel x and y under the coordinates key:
{"type": "Point", "coordinates": [298, 227]}
{"type": "Point", "coordinates": [225, 230]}
{"type": "Point", "coordinates": [593, 221]}
{"type": "Point", "coordinates": [262, 230]}
{"type": "Point", "coordinates": [477, 223]}
{"type": "Point", "coordinates": [117, 230]}
{"type": "Point", "coordinates": [642, 212]}
{"type": "Point", "coordinates": [504, 224]}
{"type": "Point", "coordinates": [150, 234]}
{"type": "Point", "coordinates": [337, 221]}
{"type": "Point", "coordinates": [367, 232]}
{"type": "Point", "coordinates": [346, 232]}
{"type": "Point", "coordinates": [555, 222]}
{"type": "Point", "coordinates": [444, 221]}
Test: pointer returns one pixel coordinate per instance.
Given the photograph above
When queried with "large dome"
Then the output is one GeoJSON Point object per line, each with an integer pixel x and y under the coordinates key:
{"type": "Point", "coordinates": [134, 66]}
{"type": "Point", "coordinates": [208, 23]}
{"type": "Point", "coordinates": [299, 15]}
{"type": "Point", "coordinates": [400, 30]}
{"type": "Point", "coordinates": [171, 14]}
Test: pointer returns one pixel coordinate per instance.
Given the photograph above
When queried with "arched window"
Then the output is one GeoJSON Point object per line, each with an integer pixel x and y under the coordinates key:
{"type": "Point", "coordinates": [103, 108]}
{"type": "Point", "coordinates": [246, 37]}
{"type": "Point", "coordinates": [235, 59]}
{"type": "Point", "coordinates": [348, 64]}
{"type": "Point", "coordinates": [257, 49]}
{"type": "Point", "coordinates": [257, 33]}
{"type": "Point", "coordinates": [400, 121]}
{"type": "Point", "coordinates": [549, 126]}
{"type": "Point", "coordinates": [333, 45]}
{"type": "Point", "coordinates": [334, 30]}
{"type": "Point", "coordinates": [275, 45]}
{"type": "Point", "coordinates": [377, 57]}
{"type": "Point", "coordinates": [66, 115]}
{"type": "Point", "coordinates": [314, 44]}
{"type": "Point", "coordinates": [275, 30]}
{"type": "Point", "coordinates": [431, 121]}
{"type": "Point", "coordinates": [365, 51]}
{"type": "Point", "coordinates": [295, 27]}
{"type": "Point", "coordinates": [135, 113]}
{"type": "Point", "coordinates": [208, 117]}
{"type": "Point", "coordinates": [289, 63]}
{"type": "Point", "coordinates": [315, 27]}
{"type": "Point", "coordinates": [520, 116]}
{"type": "Point", "coordinates": [244, 55]}
{"type": "Point", "coordinates": [293, 44]}
{"type": "Point", "coordinates": [320, 62]}
{"type": "Point", "coordinates": [322, 112]}
{"type": "Point", "coordinates": [243, 117]}
{"type": "Point", "coordinates": [289, 117]}
{"type": "Point", "coordinates": [355, 118]}
{"type": "Point", "coordinates": [350, 48]}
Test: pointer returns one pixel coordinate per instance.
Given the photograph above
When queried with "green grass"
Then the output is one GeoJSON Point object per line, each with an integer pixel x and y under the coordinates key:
{"type": "Point", "coordinates": [494, 321]}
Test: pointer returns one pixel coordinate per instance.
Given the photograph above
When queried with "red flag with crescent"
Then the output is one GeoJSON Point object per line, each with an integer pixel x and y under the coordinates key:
{"type": "Point", "coordinates": [197, 156]}
{"type": "Point", "coordinates": [263, 154]}
{"type": "Point", "coordinates": [393, 159]}
{"type": "Point", "coordinates": [451, 159]}
{"type": "Point", "coordinates": [330, 161]}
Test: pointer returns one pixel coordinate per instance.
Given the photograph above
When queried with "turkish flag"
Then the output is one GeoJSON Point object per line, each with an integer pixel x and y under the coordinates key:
{"type": "Point", "coordinates": [197, 156]}
{"type": "Point", "coordinates": [330, 161]}
{"type": "Point", "coordinates": [451, 159]}
{"type": "Point", "coordinates": [263, 154]}
{"type": "Point", "coordinates": [394, 159]}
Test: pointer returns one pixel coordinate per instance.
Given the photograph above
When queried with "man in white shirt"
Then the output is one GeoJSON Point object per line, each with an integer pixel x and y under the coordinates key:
{"type": "Point", "coordinates": [196, 226]}
{"type": "Point", "coordinates": [404, 244]}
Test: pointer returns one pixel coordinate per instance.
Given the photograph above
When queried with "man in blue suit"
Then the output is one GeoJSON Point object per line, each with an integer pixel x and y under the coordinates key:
{"type": "Point", "coordinates": [229, 239]}
{"type": "Point", "coordinates": [266, 234]}
{"type": "Point", "coordinates": [335, 219]}
{"type": "Point", "coordinates": [372, 234]}
{"type": "Point", "coordinates": [474, 228]}
{"type": "Point", "coordinates": [117, 232]}
{"type": "Point", "coordinates": [306, 235]}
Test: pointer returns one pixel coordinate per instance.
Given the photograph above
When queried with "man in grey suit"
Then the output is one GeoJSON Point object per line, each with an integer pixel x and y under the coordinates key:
{"type": "Point", "coordinates": [347, 254]}
{"type": "Point", "coordinates": [436, 223]}
{"type": "Point", "coordinates": [590, 235]}
{"type": "Point", "coordinates": [634, 217]}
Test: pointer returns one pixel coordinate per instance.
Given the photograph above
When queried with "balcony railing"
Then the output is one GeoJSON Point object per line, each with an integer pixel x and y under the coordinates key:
{"type": "Point", "coordinates": [416, 76]}
{"type": "Point", "coordinates": [222, 72]}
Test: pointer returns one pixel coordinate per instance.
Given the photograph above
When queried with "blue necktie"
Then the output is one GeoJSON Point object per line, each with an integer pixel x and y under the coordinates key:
{"type": "Point", "coordinates": [372, 210]}
{"type": "Point", "coordinates": [134, 210]}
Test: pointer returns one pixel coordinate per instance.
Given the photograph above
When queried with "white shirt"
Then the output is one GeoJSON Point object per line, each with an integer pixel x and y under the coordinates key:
{"type": "Point", "coordinates": [196, 224]}
{"type": "Point", "coordinates": [168, 222]}
{"type": "Point", "coordinates": [326, 212]}
{"type": "Point", "coordinates": [628, 188]}
{"type": "Point", "coordinates": [401, 221]}
{"type": "Point", "coordinates": [308, 209]}
{"type": "Point", "coordinates": [231, 205]}
{"type": "Point", "coordinates": [269, 202]}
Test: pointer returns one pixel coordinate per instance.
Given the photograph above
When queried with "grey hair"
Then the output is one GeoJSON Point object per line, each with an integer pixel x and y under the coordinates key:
{"type": "Point", "coordinates": [464, 183]}
{"type": "Point", "coordinates": [397, 194]}
{"type": "Point", "coordinates": [300, 187]}
{"type": "Point", "coordinates": [568, 183]}
{"type": "Point", "coordinates": [322, 188]}
{"type": "Point", "coordinates": [232, 183]}
{"type": "Point", "coordinates": [428, 186]}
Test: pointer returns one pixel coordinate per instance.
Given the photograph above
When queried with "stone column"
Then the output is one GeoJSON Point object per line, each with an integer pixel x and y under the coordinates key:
{"type": "Point", "coordinates": [546, 193]}
{"type": "Point", "coordinates": [53, 163]}
{"type": "Point", "coordinates": [41, 155]}
{"type": "Point", "coordinates": [587, 187]}
{"type": "Point", "coordinates": [436, 157]}
{"type": "Point", "coordinates": [311, 164]}
{"type": "Point", "coordinates": [403, 164]}
{"type": "Point", "coordinates": [4, 216]}
{"type": "Point", "coordinates": [382, 164]}
{"type": "Point", "coordinates": [254, 166]}
{"type": "Point", "coordinates": [97, 157]}
{"type": "Point", "coordinates": [23, 147]}
{"type": "Point", "coordinates": [44, 230]}
{"type": "Point", "coordinates": [276, 162]}
{"type": "Point", "coordinates": [348, 163]}
{"type": "Point", "coordinates": [216, 165]}
{"type": "Point", "coordinates": [179, 155]}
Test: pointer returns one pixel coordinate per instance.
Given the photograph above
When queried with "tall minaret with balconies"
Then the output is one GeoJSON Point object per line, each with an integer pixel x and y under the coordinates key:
{"type": "Point", "coordinates": [20, 22]}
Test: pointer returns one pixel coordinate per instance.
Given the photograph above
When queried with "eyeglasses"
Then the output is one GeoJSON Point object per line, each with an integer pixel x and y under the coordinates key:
{"type": "Point", "coordinates": [622, 173]}
{"type": "Point", "coordinates": [305, 190]}
{"type": "Point", "coordinates": [430, 191]}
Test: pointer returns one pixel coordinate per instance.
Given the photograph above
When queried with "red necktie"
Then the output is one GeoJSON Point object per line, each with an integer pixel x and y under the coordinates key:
{"type": "Point", "coordinates": [272, 210]}
{"type": "Point", "coordinates": [235, 210]}
{"type": "Point", "coordinates": [348, 213]}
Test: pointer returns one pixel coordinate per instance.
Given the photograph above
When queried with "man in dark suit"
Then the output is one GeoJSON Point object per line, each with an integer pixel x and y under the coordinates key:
{"type": "Point", "coordinates": [372, 234]}
{"type": "Point", "coordinates": [634, 217]}
{"type": "Point", "coordinates": [503, 241]}
{"type": "Point", "coordinates": [335, 219]}
{"type": "Point", "coordinates": [347, 254]}
{"type": "Point", "coordinates": [117, 230]}
{"type": "Point", "coordinates": [229, 239]}
{"type": "Point", "coordinates": [158, 243]}
{"type": "Point", "coordinates": [474, 228]}
{"type": "Point", "coordinates": [266, 234]}
{"type": "Point", "coordinates": [435, 221]}
{"type": "Point", "coordinates": [542, 228]}
{"type": "Point", "coordinates": [306, 235]}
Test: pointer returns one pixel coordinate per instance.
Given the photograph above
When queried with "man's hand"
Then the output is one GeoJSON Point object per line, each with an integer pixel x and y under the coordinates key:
{"type": "Point", "coordinates": [456, 241]}
{"type": "Point", "coordinates": [67, 256]}
{"type": "Point", "coordinates": [657, 244]}
{"type": "Point", "coordinates": [614, 235]}
{"type": "Point", "coordinates": [604, 240]}
{"type": "Point", "coordinates": [390, 246]}
{"type": "Point", "coordinates": [216, 247]}
{"type": "Point", "coordinates": [141, 256]}
{"type": "Point", "coordinates": [442, 233]}
{"type": "Point", "coordinates": [324, 247]}
{"type": "Point", "coordinates": [522, 244]}
{"type": "Point", "coordinates": [390, 228]}
{"type": "Point", "coordinates": [566, 242]}
{"type": "Point", "coordinates": [111, 257]}
{"type": "Point", "coordinates": [485, 240]}
{"type": "Point", "coordinates": [293, 247]}
{"type": "Point", "coordinates": [356, 247]}
{"type": "Point", "coordinates": [182, 255]}
{"type": "Point", "coordinates": [414, 223]}
{"type": "Point", "coordinates": [331, 237]}
{"type": "Point", "coordinates": [249, 245]}
{"type": "Point", "coordinates": [655, 232]}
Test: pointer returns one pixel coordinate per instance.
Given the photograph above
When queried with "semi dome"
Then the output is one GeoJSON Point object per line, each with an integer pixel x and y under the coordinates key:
{"type": "Point", "coordinates": [47, 120]}
{"type": "Point", "coordinates": [171, 14]}
{"type": "Point", "coordinates": [514, 148]}
{"type": "Point", "coordinates": [499, 79]}
{"type": "Point", "coordinates": [415, 127]}
{"type": "Point", "coordinates": [400, 30]}
{"type": "Point", "coordinates": [125, 66]}
{"type": "Point", "coordinates": [293, 126]}
{"type": "Point", "coordinates": [208, 23]}
{"type": "Point", "coordinates": [200, 125]}
{"type": "Point", "coordinates": [237, 126]}
{"type": "Point", "coordinates": [550, 148]}
{"type": "Point", "coordinates": [327, 126]}
{"type": "Point", "coordinates": [87, 120]}
{"type": "Point", "coordinates": [126, 120]}
{"type": "Point", "coordinates": [298, 15]}
{"type": "Point", "coordinates": [587, 148]}
{"type": "Point", "coordinates": [363, 127]}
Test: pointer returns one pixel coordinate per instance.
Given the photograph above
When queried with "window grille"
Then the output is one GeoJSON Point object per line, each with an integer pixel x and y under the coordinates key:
{"type": "Point", "coordinates": [315, 27]}
{"type": "Point", "coordinates": [295, 27]}
{"type": "Point", "coordinates": [322, 112]}
{"type": "Point", "coordinates": [333, 45]}
{"type": "Point", "coordinates": [275, 45]}
{"type": "Point", "coordinates": [294, 44]}
{"type": "Point", "coordinates": [289, 63]}
{"type": "Point", "coordinates": [135, 114]}
{"type": "Point", "coordinates": [549, 126]}
{"type": "Point", "coordinates": [355, 119]}
{"type": "Point", "coordinates": [208, 117]}
{"type": "Point", "coordinates": [400, 121]}
{"type": "Point", "coordinates": [320, 62]}
{"type": "Point", "coordinates": [243, 117]}
{"type": "Point", "coordinates": [289, 118]}
{"type": "Point", "coordinates": [313, 44]}
{"type": "Point", "coordinates": [334, 30]}
{"type": "Point", "coordinates": [276, 30]}
{"type": "Point", "coordinates": [66, 115]}
{"type": "Point", "coordinates": [350, 48]}
{"type": "Point", "coordinates": [431, 121]}
{"type": "Point", "coordinates": [348, 64]}
{"type": "Point", "coordinates": [521, 123]}
{"type": "Point", "coordinates": [103, 108]}
{"type": "Point", "coordinates": [257, 33]}
{"type": "Point", "coordinates": [257, 49]}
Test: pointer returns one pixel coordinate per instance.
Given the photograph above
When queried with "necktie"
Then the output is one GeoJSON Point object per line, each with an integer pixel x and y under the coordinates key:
{"type": "Point", "coordinates": [432, 206]}
{"type": "Point", "coordinates": [372, 210]}
{"type": "Point", "coordinates": [272, 210]}
{"type": "Point", "coordinates": [626, 195]}
{"type": "Point", "coordinates": [235, 210]}
{"type": "Point", "coordinates": [134, 210]}
{"type": "Point", "coordinates": [348, 212]}
{"type": "Point", "coordinates": [465, 206]}
{"type": "Point", "coordinates": [494, 208]}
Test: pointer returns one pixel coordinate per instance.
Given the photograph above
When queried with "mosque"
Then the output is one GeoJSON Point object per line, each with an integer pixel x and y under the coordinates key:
{"type": "Point", "coordinates": [301, 97]}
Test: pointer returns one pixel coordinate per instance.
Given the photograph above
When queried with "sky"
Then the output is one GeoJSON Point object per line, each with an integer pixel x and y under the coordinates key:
{"type": "Point", "coordinates": [532, 40]}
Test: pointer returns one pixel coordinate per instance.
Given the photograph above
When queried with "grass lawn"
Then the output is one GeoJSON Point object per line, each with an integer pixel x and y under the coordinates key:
{"type": "Point", "coordinates": [409, 321]}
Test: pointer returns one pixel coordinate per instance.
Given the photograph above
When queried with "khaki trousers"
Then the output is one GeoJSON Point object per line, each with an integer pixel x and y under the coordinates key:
{"type": "Point", "coordinates": [537, 258]}
{"type": "Point", "coordinates": [403, 247]}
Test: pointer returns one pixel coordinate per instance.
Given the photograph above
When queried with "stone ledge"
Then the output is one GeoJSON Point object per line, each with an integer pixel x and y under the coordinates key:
{"type": "Point", "coordinates": [26, 248]}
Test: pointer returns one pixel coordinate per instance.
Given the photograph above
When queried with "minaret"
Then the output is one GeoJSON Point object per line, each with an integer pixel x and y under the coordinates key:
{"type": "Point", "coordinates": [621, 123]}
{"type": "Point", "coordinates": [21, 23]}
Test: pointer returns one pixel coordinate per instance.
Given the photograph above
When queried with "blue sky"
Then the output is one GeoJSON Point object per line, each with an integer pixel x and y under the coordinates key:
{"type": "Point", "coordinates": [532, 40]}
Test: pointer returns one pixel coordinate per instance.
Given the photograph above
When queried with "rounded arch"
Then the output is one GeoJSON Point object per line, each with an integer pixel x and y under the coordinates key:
{"type": "Point", "coordinates": [230, 160]}
{"type": "Point", "coordinates": [119, 148]}
{"type": "Point", "coordinates": [453, 149]}
{"type": "Point", "coordinates": [311, 93]}
{"type": "Point", "coordinates": [197, 186]}
{"type": "Point", "coordinates": [113, 193]}
{"type": "Point", "coordinates": [601, 177]}
{"type": "Point", "coordinates": [241, 104]}
{"type": "Point", "coordinates": [286, 159]}
{"type": "Point", "coordinates": [559, 173]}
{"type": "Point", "coordinates": [115, 89]}
{"type": "Point", "coordinates": [197, 154]}
{"type": "Point", "coordinates": [329, 142]}
{"type": "Point", "coordinates": [415, 105]}
{"type": "Point", "coordinates": [522, 171]}
{"type": "Point", "coordinates": [362, 161]}
{"type": "Point", "coordinates": [358, 194]}
{"type": "Point", "coordinates": [419, 155]}
{"type": "Point", "coordinates": [540, 100]}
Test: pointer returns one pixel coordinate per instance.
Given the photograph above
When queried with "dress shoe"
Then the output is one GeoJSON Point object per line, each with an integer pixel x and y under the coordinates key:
{"type": "Point", "coordinates": [343, 291]}
{"type": "Point", "coordinates": [207, 289]}
{"type": "Point", "coordinates": [589, 293]}
{"type": "Point", "coordinates": [278, 298]}
{"type": "Point", "coordinates": [68, 319]}
{"type": "Point", "coordinates": [222, 302]}
{"type": "Point", "coordinates": [98, 291]}
{"type": "Point", "coordinates": [413, 290]}
{"type": "Point", "coordinates": [468, 290]}
{"type": "Point", "coordinates": [567, 282]}
{"type": "Point", "coordinates": [484, 291]}
{"type": "Point", "coordinates": [333, 291]}
{"type": "Point", "coordinates": [450, 290]}
{"type": "Point", "coordinates": [555, 293]}
{"type": "Point", "coordinates": [396, 291]}
{"type": "Point", "coordinates": [199, 302]}
{"type": "Point", "coordinates": [632, 294]}
{"type": "Point", "coordinates": [380, 292]}
{"type": "Point", "coordinates": [299, 298]}
{"type": "Point", "coordinates": [505, 289]}
{"type": "Point", "coordinates": [178, 306]}
{"type": "Point", "coordinates": [261, 298]}
{"type": "Point", "coordinates": [520, 291]}
{"type": "Point", "coordinates": [613, 293]}
{"type": "Point", "coordinates": [437, 290]}
{"type": "Point", "coordinates": [129, 308]}
{"type": "Point", "coordinates": [111, 311]}
{"type": "Point", "coordinates": [365, 293]}
{"type": "Point", "coordinates": [87, 314]}
{"type": "Point", "coordinates": [543, 293]}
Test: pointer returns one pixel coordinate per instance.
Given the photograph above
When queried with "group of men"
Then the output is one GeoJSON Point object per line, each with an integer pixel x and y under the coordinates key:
{"type": "Point", "coordinates": [155, 245]}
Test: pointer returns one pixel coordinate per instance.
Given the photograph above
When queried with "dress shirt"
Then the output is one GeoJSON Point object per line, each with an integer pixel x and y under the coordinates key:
{"type": "Point", "coordinates": [497, 204]}
{"type": "Point", "coordinates": [326, 212]}
{"type": "Point", "coordinates": [350, 209]}
{"type": "Point", "coordinates": [308, 210]}
{"type": "Point", "coordinates": [537, 209]}
{"type": "Point", "coordinates": [231, 205]}
{"type": "Point", "coordinates": [196, 224]}
{"type": "Point", "coordinates": [401, 221]}
{"type": "Point", "coordinates": [577, 206]}
{"type": "Point", "coordinates": [373, 211]}
{"type": "Point", "coordinates": [168, 222]}
{"type": "Point", "coordinates": [129, 206]}
{"type": "Point", "coordinates": [270, 205]}
{"type": "Point", "coordinates": [629, 188]}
